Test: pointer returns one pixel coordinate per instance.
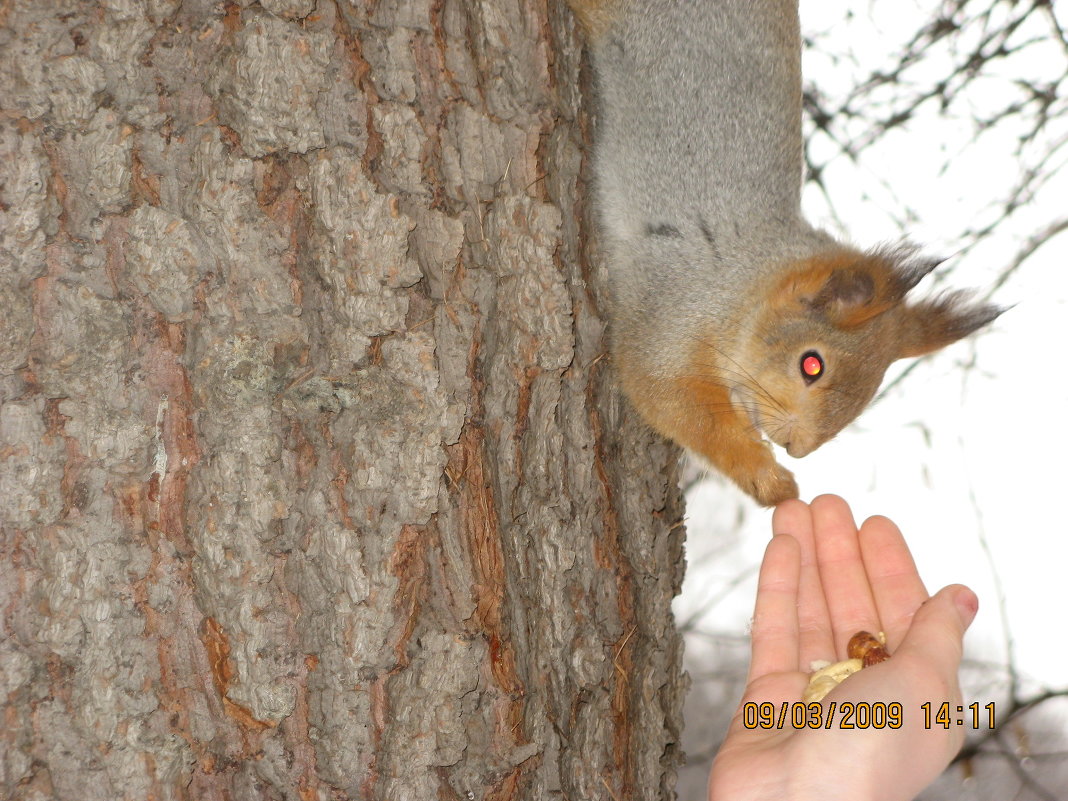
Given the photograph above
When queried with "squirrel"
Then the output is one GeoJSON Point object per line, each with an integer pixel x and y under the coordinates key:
{"type": "Point", "coordinates": [732, 317]}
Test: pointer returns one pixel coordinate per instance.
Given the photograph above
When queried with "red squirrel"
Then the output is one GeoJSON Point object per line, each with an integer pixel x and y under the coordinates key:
{"type": "Point", "coordinates": [733, 318]}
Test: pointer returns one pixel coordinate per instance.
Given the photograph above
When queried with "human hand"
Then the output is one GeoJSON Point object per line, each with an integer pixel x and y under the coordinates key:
{"type": "Point", "coordinates": [823, 580]}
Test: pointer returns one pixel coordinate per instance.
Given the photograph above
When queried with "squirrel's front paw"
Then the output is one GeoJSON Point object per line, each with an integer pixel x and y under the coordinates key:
{"type": "Point", "coordinates": [773, 486]}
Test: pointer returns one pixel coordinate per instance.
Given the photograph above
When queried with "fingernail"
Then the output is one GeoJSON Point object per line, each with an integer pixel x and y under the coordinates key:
{"type": "Point", "coordinates": [967, 605]}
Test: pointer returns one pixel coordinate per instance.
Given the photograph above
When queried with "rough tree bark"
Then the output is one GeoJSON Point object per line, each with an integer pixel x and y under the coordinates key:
{"type": "Point", "coordinates": [314, 483]}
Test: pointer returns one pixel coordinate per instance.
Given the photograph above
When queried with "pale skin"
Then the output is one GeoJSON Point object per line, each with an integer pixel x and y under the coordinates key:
{"type": "Point", "coordinates": [822, 580]}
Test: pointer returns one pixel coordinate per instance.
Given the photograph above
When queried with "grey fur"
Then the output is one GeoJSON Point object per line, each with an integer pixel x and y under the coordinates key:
{"type": "Point", "coordinates": [700, 134]}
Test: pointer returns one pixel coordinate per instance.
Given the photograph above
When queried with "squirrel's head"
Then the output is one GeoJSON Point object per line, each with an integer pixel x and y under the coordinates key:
{"type": "Point", "coordinates": [813, 352]}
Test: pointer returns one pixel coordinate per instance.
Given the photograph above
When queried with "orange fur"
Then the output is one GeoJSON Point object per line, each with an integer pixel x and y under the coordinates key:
{"type": "Point", "coordinates": [596, 16]}
{"type": "Point", "coordinates": [696, 411]}
{"type": "Point", "coordinates": [710, 425]}
{"type": "Point", "coordinates": [850, 287]}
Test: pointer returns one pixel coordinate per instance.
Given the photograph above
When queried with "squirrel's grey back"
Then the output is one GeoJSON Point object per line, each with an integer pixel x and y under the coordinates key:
{"type": "Point", "coordinates": [699, 127]}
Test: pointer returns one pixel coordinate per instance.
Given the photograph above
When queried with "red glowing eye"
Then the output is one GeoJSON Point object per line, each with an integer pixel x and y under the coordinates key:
{"type": "Point", "coordinates": [811, 366]}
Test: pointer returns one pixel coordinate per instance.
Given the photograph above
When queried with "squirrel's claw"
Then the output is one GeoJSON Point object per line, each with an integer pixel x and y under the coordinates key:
{"type": "Point", "coordinates": [772, 486]}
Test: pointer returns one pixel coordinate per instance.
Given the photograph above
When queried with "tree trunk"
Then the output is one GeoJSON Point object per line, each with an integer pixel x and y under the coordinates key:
{"type": "Point", "coordinates": [314, 481]}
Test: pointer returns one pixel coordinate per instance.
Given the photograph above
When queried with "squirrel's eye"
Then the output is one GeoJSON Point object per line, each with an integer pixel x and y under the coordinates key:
{"type": "Point", "coordinates": [811, 366]}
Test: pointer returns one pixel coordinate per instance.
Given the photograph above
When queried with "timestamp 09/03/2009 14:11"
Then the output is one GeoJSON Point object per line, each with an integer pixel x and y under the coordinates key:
{"type": "Point", "coordinates": [861, 715]}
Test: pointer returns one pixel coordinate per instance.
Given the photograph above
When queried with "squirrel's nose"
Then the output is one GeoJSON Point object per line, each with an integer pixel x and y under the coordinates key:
{"type": "Point", "coordinates": [798, 448]}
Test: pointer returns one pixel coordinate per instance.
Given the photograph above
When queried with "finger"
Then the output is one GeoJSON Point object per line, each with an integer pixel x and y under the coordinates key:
{"type": "Point", "coordinates": [936, 635]}
{"type": "Point", "coordinates": [846, 587]}
{"type": "Point", "coordinates": [896, 586]}
{"type": "Point", "coordinates": [816, 639]}
{"type": "Point", "coordinates": [775, 614]}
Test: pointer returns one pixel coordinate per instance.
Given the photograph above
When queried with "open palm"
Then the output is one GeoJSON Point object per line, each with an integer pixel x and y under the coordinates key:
{"type": "Point", "coordinates": [822, 580]}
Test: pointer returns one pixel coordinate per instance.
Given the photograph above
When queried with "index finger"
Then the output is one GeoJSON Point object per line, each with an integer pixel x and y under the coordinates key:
{"type": "Point", "coordinates": [814, 621]}
{"type": "Point", "coordinates": [775, 631]}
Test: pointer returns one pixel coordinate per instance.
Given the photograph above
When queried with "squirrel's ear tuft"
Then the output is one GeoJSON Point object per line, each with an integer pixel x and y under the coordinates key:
{"type": "Point", "coordinates": [905, 268]}
{"type": "Point", "coordinates": [933, 324]}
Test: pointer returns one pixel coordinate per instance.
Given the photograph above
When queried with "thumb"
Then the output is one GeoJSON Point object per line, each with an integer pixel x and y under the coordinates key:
{"type": "Point", "coordinates": [936, 633]}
